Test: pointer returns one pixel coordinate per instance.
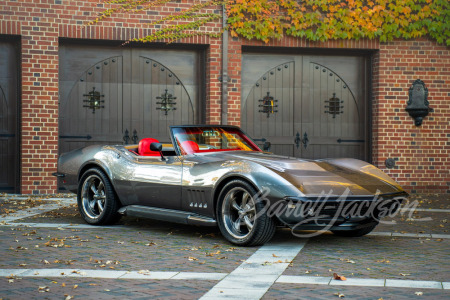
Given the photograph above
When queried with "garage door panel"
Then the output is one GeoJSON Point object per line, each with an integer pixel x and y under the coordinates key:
{"type": "Point", "coordinates": [81, 120]}
{"type": "Point", "coordinates": [321, 104]}
{"type": "Point", "coordinates": [268, 108]}
{"type": "Point", "coordinates": [9, 148]}
{"type": "Point", "coordinates": [130, 81]}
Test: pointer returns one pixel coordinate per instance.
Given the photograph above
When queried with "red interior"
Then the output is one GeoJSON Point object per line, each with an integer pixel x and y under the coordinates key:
{"type": "Point", "coordinates": [189, 147]}
{"type": "Point", "coordinates": [144, 147]}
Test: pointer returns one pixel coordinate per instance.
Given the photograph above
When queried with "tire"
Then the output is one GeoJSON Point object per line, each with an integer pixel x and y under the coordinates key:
{"type": "Point", "coordinates": [97, 201]}
{"type": "Point", "coordinates": [356, 232]}
{"type": "Point", "coordinates": [242, 219]}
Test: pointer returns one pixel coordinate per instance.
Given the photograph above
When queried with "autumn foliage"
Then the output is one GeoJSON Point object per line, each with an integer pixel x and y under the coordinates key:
{"type": "Point", "coordinates": [315, 20]}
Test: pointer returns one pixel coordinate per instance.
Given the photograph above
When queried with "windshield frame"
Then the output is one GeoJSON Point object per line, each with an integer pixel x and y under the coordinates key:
{"type": "Point", "coordinates": [235, 128]}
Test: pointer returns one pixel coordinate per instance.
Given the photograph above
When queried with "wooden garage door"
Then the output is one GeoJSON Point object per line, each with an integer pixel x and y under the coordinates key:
{"type": "Point", "coordinates": [306, 106]}
{"type": "Point", "coordinates": [9, 149]}
{"type": "Point", "coordinates": [140, 92]}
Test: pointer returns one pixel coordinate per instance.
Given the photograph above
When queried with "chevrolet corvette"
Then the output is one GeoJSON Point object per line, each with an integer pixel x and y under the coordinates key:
{"type": "Point", "coordinates": [216, 175]}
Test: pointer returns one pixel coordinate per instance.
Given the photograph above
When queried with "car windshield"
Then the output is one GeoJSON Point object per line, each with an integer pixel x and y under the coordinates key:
{"type": "Point", "coordinates": [212, 139]}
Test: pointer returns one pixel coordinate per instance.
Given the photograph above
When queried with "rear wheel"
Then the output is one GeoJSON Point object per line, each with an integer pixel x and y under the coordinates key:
{"type": "Point", "coordinates": [96, 199]}
{"type": "Point", "coordinates": [356, 232]}
{"type": "Point", "coordinates": [241, 216]}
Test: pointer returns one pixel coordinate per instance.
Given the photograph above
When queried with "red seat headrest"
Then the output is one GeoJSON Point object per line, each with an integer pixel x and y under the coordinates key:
{"type": "Point", "coordinates": [144, 147]}
{"type": "Point", "coordinates": [189, 147]}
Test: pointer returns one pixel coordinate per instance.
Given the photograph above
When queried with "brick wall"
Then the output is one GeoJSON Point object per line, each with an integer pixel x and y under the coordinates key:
{"type": "Point", "coordinates": [421, 153]}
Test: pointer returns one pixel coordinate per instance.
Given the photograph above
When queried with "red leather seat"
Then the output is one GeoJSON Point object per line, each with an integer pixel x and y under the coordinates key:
{"type": "Point", "coordinates": [144, 147]}
{"type": "Point", "coordinates": [189, 147]}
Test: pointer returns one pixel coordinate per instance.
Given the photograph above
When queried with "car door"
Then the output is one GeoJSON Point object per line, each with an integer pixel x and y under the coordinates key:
{"type": "Point", "coordinates": [157, 183]}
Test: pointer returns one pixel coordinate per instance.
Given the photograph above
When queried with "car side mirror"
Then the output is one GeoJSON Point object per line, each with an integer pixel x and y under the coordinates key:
{"type": "Point", "coordinates": [157, 147]}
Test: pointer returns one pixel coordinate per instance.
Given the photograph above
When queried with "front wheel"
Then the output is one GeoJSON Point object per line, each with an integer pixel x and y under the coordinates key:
{"type": "Point", "coordinates": [356, 232]}
{"type": "Point", "coordinates": [96, 199]}
{"type": "Point", "coordinates": [242, 216]}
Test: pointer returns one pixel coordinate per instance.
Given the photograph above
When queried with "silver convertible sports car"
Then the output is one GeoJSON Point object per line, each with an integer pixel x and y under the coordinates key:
{"type": "Point", "coordinates": [217, 176]}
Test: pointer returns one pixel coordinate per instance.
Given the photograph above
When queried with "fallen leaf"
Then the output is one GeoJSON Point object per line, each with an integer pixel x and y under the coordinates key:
{"type": "Point", "coordinates": [274, 255]}
{"type": "Point", "coordinates": [339, 277]}
{"type": "Point", "coordinates": [340, 295]}
{"type": "Point", "coordinates": [43, 289]}
{"type": "Point", "coordinates": [75, 286]}
{"type": "Point", "coordinates": [350, 261]}
{"type": "Point", "coordinates": [68, 297]}
{"type": "Point", "coordinates": [419, 293]}
{"type": "Point", "coordinates": [404, 274]}
{"type": "Point", "coordinates": [192, 258]}
{"type": "Point", "coordinates": [144, 272]}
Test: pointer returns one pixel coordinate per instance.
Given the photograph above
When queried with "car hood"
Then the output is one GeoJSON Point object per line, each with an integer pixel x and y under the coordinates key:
{"type": "Point", "coordinates": [323, 177]}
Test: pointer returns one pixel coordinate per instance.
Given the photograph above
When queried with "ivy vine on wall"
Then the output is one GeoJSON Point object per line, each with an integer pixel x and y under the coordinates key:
{"type": "Point", "coordinates": [315, 20]}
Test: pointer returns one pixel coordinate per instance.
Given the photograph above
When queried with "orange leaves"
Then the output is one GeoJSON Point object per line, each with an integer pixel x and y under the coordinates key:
{"type": "Point", "coordinates": [316, 20]}
{"type": "Point", "coordinates": [339, 277]}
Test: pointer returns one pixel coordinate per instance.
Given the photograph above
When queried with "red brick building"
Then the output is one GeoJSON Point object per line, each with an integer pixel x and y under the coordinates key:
{"type": "Point", "coordinates": [50, 66]}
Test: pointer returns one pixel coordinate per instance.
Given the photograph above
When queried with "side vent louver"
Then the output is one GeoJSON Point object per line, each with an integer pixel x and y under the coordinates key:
{"type": "Point", "coordinates": [197, 198]}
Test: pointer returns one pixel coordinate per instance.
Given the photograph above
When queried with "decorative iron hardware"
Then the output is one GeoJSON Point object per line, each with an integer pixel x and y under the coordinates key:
{"type": "Point", "coordinates": [87, 137]}
{"type": "Point", "coordinates": [350, 141]}
{"type": "Point", "coordinates": [166, 103]}
{"type": "Point", "coordinates": [389, 163]}
{"type": "Point", "coordinates": [7, 135]}
{"type": "Point", "coordinates": [418, 105]}
{"type": "Point", "coordinates": [268, 105]}
{"type": "Point", "coordinates": [266, 145]}
{"type": "Point", "coordinates": [305, 140]}
{"type": "Point", "coordinates": [135, 137]}
{"type": "Point", "coordinates": [297, 140]}
{"type": "Point", "coordinates": [94, 100]}
{"type": "Point", "coordinates": [334, 106]}
{"type": "Point", "coordinates": [126, 137]}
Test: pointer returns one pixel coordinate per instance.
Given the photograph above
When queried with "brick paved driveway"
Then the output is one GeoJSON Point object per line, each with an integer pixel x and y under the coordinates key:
{"type": "Point", "coordinates": [55, 255]}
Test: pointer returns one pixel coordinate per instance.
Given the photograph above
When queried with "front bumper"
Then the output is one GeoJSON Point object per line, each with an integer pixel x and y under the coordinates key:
{"type": "Point", "coordinates": [336, 213]}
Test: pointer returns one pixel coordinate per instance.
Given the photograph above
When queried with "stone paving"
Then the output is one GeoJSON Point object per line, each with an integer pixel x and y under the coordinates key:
{"type": "Point", "coordinates": [154, 246]}
{"type": "Point", "coordinates": [313, 292]}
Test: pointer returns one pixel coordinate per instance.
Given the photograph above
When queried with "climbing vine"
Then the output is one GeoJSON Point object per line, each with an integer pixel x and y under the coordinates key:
{"type": "Point", "coordinates": [315, 20]}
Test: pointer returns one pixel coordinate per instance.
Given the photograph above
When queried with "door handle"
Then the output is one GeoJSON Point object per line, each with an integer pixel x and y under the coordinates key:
{"type": "Point", "coordinates": [126, 137]}
{"type": "Point", "coordinates": [305, 140]}
{"type": "Point", "coordinates": [266, 146]}
{"type": "Point", "coordinates": [135, 137]}
{"type": "Point", "coordinates": [297, 140]}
